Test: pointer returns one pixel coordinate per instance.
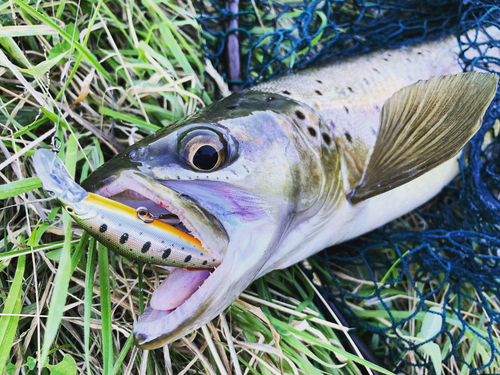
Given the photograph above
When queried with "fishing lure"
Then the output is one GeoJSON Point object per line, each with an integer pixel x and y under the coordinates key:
{"type": "Point", "coordinates": [133, 233]}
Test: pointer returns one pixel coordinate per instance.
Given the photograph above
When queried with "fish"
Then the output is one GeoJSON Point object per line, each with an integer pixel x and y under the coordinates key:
{"type": "Point", "coordinates": [135, 234]}
{"type": "Point", "coordinates": [268, 176]}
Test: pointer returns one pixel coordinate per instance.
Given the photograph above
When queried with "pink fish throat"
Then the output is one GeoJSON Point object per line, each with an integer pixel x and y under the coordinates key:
{"type": "Point", "coordinates": [178, 287]}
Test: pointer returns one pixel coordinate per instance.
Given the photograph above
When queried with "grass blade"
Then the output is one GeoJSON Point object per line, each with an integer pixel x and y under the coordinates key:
{"type": "Point", "coordinates": [132, 119]}
{"type": "Point", "coordinates": [126, 347]}
{"type": "Point", "coordinates": [29, 30]}
{"type": "Point", "coordinates": [89, 288]}
{"type": "Point", "coordinates": [107, 338]}
{"type": "Point", "coordinates": [19, 187]}
{"type": "Point", "coordinates": [8, 324]}
{"type": "Point", "coordinates": [61, 285]}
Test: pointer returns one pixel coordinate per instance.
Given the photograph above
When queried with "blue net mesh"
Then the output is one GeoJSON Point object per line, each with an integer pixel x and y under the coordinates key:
{"type": "Point", "coordinates": [285, 35]}
{"type": "Point", "coordinates": [449, 261]}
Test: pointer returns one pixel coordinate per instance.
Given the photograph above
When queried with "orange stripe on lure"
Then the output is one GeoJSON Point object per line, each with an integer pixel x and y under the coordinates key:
{"type": "Point", "coordinates": [121, 228]}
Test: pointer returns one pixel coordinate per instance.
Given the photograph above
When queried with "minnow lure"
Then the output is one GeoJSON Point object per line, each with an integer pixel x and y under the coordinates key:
{"type": "Point", "coordinates": [134, 233]}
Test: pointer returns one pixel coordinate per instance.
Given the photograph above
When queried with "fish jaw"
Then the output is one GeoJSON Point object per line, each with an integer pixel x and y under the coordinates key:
{"type": "Point", "coordinates": [238, 269]}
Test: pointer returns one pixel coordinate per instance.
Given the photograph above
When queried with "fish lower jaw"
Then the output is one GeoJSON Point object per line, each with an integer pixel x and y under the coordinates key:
{"type": "Point", "coordinates": [133, 194]}
{"type": "Point", "coordinates": [161, 324]}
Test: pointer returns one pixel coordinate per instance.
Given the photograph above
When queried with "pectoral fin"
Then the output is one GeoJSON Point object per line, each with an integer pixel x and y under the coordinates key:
{"type": "Point", "coordinates": [422, 126]}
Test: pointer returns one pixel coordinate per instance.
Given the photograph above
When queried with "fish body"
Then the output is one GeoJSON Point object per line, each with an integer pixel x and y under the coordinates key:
{"type": "Point", "coordinates": [120, 227]}
{"type": "Point", "coordinates": [269, 176]}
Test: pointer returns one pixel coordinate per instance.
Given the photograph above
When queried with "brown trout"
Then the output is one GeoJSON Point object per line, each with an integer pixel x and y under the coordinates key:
{"type": "Point", "coordinates": [269, 176]}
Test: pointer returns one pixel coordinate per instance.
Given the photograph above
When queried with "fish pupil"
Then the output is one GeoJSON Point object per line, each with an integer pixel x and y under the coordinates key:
{"type": "Point", "coordinates": [206, 158]}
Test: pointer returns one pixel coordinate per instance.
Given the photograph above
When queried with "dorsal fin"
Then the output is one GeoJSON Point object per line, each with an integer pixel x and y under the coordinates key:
{"type": "Point", "coordinates": [422, 126]}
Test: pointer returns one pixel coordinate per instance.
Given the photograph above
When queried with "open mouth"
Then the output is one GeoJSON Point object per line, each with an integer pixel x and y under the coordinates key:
{"type": "Point", "coordinates": [135, 200]}
{"type": "Point", "coordinates": [183, 286]}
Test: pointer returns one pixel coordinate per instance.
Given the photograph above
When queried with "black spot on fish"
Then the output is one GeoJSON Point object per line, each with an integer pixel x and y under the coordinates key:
{"type": "Point", "coordinates": [385, 59]}
{"type": "Point", "coordinates": [124, 238]}
{"type": "Point", "coordinates": [119, 224]}
{"type": "Point", "coordinates": [300, 115]}
{"type": "Point", "coordinates": [348, 137]}
{"type": "Point", "coordinates": [166, 253]}
{"type": "Point", "coordinates": [140, 233]}
{"type": "Point", "coordinates": [162, 241]}
{"type": "Point", "coordinates": [204, 262]}
{"type": "Point", "coordinates": [188, 258]}
{"type": "Point", "coordinates": [146, 247]}
{"type": "Point", "coordinates": [318, 92]}
{"type": "Point", "coordinates": [311, 131]}
{"type": "Point", "coordinates": [109, 239]}
{"type": "Point", "coordinates": [201, 253]}
{"type": "Point", "coordinates": [346, 109]}
{"type": "Point", "coordinates": [409, 60]}
{"type": "Point", "coordinates": [103, 228]}
{"type": "Point", "coordinates": [350, 89]}
{"type": "Point", "coordinates": [286, 92]}
{"type": "Point", "coordinates": [375, 70]}
{"type": "Point", "coordinates": [326, 138]}
{"type": "Point", "coordinates": [318, 81]}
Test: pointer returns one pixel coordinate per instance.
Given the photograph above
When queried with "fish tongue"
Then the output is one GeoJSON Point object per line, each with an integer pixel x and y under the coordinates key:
{"type": "Point", "coordinates": [177, 288]}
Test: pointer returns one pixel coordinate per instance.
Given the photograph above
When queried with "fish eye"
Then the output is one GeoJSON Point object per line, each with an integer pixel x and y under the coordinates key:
{"type": "Point", "coordinates": [70, 209]}
{"type": "Point", "coordinates": [204, 150]}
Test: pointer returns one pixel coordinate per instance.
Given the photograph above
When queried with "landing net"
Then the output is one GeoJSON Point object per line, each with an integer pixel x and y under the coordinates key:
{"type": "Point", "coordinates": [446, 253]}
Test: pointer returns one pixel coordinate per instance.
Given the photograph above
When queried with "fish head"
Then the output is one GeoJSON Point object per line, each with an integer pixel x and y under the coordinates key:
{"type": "Point", "coordinates": [240, 174]}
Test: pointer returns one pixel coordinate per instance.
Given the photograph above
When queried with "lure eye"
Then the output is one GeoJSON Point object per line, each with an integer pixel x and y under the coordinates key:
{"type": "Point", "coordinates": [70, 209]}
{"type": "Point", "coordinates": [205, 151]}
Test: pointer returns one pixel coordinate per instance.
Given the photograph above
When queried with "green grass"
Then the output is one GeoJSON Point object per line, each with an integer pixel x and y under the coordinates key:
{"type": "Point", "coordinates": [67, 305]}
